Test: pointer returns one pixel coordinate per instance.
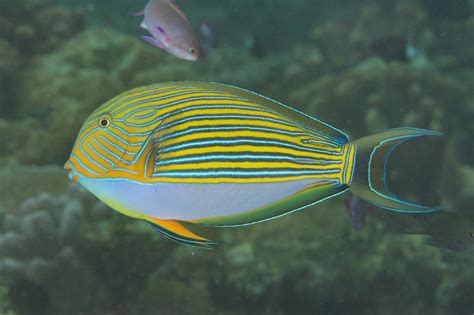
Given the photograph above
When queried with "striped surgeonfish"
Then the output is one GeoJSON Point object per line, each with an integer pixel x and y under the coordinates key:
{"type": "Point", "coordinates": [183, 153]}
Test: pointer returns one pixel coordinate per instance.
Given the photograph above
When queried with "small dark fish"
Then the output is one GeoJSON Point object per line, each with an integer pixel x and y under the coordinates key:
{"type": "Point", "coordinates": [256, 46]}
{"type": "Point", "coordinates": [357, 210]}
{"type": "Point", "coordinates": [449, 230]}
{"type": "Point", "coordinates": [209, 35]}
{"type": "Point", "coordinates": [170, 30]}
{"type": "Point", "coordinates": [453, 10]}
{"type": "Point", "coordinates": [5, 109]}
{"type": "Point", "coordinates": [391, 48]}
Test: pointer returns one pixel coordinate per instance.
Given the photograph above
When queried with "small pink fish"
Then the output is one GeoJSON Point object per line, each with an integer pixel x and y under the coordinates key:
{"type": "Point", "coordinates": [170, 30]}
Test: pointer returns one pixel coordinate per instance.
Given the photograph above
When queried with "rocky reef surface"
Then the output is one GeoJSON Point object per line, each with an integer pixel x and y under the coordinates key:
{"type": "Point", "coordinates": [56, 245]}
{"type": "Point", "coordinates": [61, 251]}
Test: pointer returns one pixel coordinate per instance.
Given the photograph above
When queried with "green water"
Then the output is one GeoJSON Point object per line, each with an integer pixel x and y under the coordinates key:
{"type": "Point", "coordinates": [362, 66]}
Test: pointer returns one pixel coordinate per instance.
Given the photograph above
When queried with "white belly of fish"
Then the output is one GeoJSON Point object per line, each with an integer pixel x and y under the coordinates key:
{"type": "Point", "coordinates": [180, 201]}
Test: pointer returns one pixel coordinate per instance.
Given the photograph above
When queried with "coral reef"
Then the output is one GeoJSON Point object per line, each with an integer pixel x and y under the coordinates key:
{"type": "Point", "coordinates": [29, 28]}
{"type": "Point", "coordinates": [38, 257]}
{"type": "Point", "coordinates": [38, 26]}
{"type": "Point", "coordinates": [64, 87]}
{"type": "Point", "coordinates": [54, 248]}
{"type": "Point", "coordinates": [377, 95]}
{"type": "Point", "coordinates": [45, 245]}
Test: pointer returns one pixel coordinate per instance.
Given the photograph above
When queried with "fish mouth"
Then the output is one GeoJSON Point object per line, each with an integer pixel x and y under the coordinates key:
{"type": "Point", "coordinates": [72, 174]}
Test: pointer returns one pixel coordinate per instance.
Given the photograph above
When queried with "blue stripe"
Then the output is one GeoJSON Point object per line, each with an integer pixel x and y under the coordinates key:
{"type": "Point", "coordinates": [224, 128]}
{"type": "Point", "coordinates": [178, 102]}
{"type": "Point", "coordinates": [100, 155]}
{"type": "Point", "coordinates": [125, 170]}
{"type": "Point", "coordinates": [144, 116]}
{"type": "Point", "coordinates": [345, 166]}
{"type": "Point", "coordinates": [251, 106]}
{"type": "Point", "coordinates": [354, 163]}
{"type": "Point", "coordinates": [118, 148]}
{"type": "Point", "coordinates": [126, 96]}
{"type": "Point", "coordinates": [194, 107]}
{"type": "Point", "coordinates": [115, 136]}
{"type": "Point", "coordinates": [123, 98]}
{"type": "Point", "coordinates": [339, 141]}
{"type": "Point", "coordinates": [241, 174]}
{"type": "Point", "coordinates": [90, 159]}
{"type": "Point", "coordinates": [223, 117]}
{"type": "Point", "coordinates": [325, 143]}
{"type": "Point", "coordinates": [242, 141]}
{"type": "Point", "coordinates": [83, 166]}
{"type": "Point", "coordinates": [243, 158]}
{"type": "Point", "coordinates": [118, 158]}
{"type": "Point", "coordinates": [147, 161]}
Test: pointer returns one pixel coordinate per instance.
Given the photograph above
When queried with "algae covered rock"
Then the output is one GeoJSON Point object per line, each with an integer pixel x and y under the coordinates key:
{"type": "Point", "coordinates": [59, 90]}
{"type": "Point", "coordinates": [37, 250]}
{"type": "Point", "coordinates": [45, 244]}
{"type": "Point", "coordinates": [64, 87]}
{"type": "Point", "coordinates": [38, 26]}
{"type": "Point", "coordinates": [376, 95]}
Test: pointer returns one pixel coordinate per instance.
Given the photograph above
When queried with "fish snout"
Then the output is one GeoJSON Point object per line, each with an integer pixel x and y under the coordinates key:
{"type": "Point", "coordinates": [72, 174]}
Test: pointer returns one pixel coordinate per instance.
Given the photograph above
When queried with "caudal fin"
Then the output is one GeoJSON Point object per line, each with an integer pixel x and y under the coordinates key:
{"type": "Point", "coordinates": [370, 175]}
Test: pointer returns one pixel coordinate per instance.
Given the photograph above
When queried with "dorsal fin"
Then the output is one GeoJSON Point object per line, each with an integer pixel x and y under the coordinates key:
{"type": "Point", "coordinates": [305, 121]}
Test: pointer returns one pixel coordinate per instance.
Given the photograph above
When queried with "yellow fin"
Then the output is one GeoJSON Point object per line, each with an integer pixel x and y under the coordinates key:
{"type": "Point", "coordinates": [176, 231]}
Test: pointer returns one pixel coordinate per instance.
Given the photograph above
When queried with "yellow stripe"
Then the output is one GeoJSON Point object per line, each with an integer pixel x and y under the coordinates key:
{"type": "Point", "coordinates": [351, 163]}
{"type": "Point", "coordinates": [222, 111]}
{"type": "Point", "coordinates": [239, 180]}
{"type": "Point", "coordinates": [228, 122]}
{"type": "Point", "coordinates": [262, 165]}
{"type": "Point", "coordinates": [250, 134]}
{"type": "Point", "coordinates": [138, 92]}
{"type": "Point", "coordinates": [233, 134]}
{"type": "Point", "coordinates": [248, 148]}
{"type": "Point", "coordinates": [125, 111]}
{"type": "Point", "coordinates": [158, 103]}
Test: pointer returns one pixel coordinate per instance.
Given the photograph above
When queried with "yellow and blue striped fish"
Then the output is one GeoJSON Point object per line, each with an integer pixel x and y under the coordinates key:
{"type": "Point", "coordinates": [213, 154]}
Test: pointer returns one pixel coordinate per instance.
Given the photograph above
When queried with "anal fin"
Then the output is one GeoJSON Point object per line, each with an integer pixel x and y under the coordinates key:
{"type": "Point", "coordinates": [153, 41]}
{"type": "Point", "coordinates": [177, 232]}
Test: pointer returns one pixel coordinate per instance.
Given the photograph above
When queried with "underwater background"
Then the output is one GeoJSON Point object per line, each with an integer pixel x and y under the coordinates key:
{"type": "Point", "coordinates": [363, 66]}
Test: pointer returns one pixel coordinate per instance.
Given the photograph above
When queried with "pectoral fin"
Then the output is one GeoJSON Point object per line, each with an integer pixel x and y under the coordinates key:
{"type": "Point", "coordinates": [137, 13]}
{"type": "Point", "coordinates": [176, 231]}
{"type": "Point", "coordinates": [153, 41]}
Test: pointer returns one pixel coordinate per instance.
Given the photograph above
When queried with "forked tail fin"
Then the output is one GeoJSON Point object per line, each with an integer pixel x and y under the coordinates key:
{"type": "Point", "coordinates": [369, 181]}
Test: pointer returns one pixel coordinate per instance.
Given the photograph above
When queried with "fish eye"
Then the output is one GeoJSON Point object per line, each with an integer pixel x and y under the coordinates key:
{"type": "Point", "coordinates": [192, 50]}
{"type": "Point", "coordinates": [104, 121]}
